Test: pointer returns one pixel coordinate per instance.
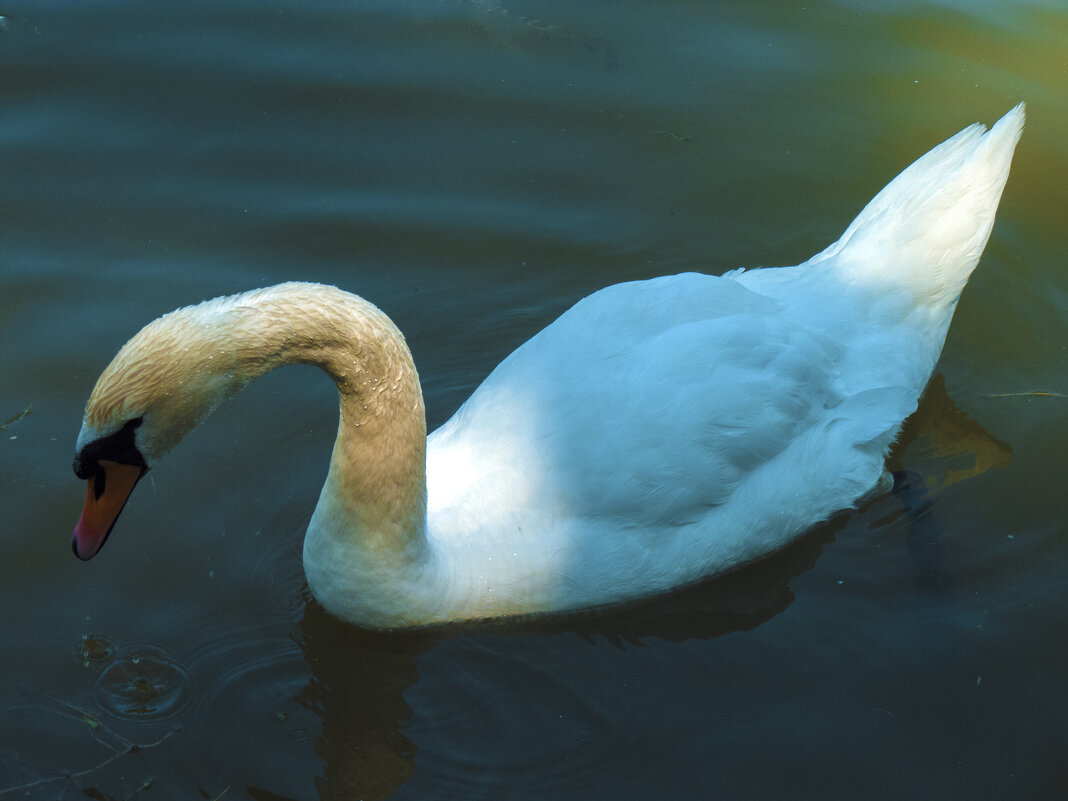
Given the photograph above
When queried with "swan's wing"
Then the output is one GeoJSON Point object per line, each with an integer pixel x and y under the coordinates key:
{"type": "Point", "coordinates": [646, 405]}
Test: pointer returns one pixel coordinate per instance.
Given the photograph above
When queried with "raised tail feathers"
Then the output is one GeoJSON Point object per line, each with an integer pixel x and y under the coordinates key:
{"type": "Point", "coordinates": [927, 228]}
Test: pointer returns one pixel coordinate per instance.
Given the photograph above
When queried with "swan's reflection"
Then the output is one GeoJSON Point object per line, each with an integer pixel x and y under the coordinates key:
{"type": "Point", "coordinates": [943, 445]}
{"type": "Point", "coordinates": [361, 677]}
{"type": "Point", "coordinates": [358, 685]}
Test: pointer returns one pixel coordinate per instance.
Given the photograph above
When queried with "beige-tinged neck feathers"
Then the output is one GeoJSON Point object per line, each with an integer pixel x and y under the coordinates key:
{"type": "Point", "coordinates": [182, 365]}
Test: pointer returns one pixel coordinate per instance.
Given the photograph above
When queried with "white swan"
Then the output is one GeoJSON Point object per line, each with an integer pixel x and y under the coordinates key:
{"type": "Point", "coordinates": [656, 433]}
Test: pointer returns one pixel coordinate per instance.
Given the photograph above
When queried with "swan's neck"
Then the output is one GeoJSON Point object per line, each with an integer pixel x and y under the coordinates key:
{"type": "Point", "coordinates": [367, 537]}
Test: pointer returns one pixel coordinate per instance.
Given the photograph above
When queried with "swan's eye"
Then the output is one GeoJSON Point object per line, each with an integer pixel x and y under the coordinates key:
{"type": "Point", "coordinates": [99, 483]}
{"type": "Point", "coordinates": [118, 447]}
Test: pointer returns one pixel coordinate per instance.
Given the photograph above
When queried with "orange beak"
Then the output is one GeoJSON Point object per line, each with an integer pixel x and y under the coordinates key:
{"type": "Point", "coordinates": [106, 494]}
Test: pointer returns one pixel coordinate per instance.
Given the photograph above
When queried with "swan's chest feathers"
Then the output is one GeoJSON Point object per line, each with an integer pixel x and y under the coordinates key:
{"type": "Point", "coordinates": [653, 431]}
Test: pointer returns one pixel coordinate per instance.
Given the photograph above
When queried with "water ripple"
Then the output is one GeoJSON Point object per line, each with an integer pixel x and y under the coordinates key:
{"type": "Point", "coordinates": [144, 683]}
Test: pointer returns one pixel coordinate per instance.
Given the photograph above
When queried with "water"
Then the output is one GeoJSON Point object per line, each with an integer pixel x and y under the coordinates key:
{"type": "Point", "coordinates": [474, 167]}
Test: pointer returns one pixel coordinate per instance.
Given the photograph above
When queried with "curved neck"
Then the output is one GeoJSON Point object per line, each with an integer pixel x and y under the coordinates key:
{"type": "Point", "coordinates": [371, 515]}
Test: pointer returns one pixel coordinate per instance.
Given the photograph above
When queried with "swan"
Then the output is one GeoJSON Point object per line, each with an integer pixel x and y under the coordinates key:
{"type": "Point", "coordinates": [658, 432]}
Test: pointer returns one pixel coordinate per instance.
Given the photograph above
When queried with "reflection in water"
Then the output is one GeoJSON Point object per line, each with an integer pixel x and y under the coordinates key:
{"type": "Point", "coordinates": [360, 678]}
{"type": "Point", "coordinates": [939, 446]}
{"type": "Point", "coordinates": [943, 444]}
{"type": "Point", "coordinates": [358, 685]}
{"type": "Point", "coordinates": [931, 573]}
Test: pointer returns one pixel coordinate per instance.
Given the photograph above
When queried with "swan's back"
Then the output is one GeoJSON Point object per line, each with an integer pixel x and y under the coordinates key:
{"type": "Point", "coordinates": [665, 430]}
{"type": "Point", "coordinates": [624, 447]}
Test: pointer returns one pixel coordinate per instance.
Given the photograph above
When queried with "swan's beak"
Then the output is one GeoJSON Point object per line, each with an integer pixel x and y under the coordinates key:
{"type": "Point", "coordinates": [105, 495]}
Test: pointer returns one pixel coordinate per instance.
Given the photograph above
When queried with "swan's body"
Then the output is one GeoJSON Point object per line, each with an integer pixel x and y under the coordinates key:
{"type": "Point", "coordinates": [656, 433]}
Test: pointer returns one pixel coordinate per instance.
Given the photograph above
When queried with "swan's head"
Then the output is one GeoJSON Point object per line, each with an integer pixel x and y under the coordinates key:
{"type": "Point", "coordinates": [156, 389]}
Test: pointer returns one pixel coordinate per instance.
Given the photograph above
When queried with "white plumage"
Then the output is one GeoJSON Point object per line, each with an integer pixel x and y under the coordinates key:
{"type": "Point", "coordinates": [656, 433]}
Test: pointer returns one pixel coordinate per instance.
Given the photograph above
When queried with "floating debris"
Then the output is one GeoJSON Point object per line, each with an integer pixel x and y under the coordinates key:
{"type": "Point", "coordinates": [12, 420]}
{"type": "Point", "coordinates": [673, 136]}
{"type": "Point", "coordinates": [118, 745]}
{"type": "Point", "coordinates": [1036, 394]}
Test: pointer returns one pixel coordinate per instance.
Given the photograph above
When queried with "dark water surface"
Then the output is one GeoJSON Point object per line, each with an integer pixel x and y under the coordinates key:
{"type": "Point", "coordinates": [474, 167]}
